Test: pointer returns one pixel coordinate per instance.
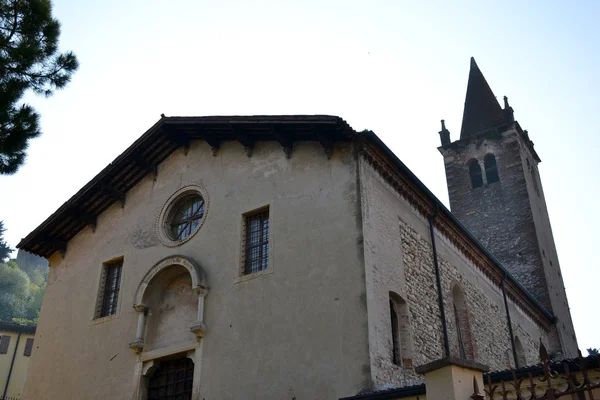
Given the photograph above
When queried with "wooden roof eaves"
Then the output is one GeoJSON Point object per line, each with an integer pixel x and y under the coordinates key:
{"type": "Point", "coordinates": [86, 189]}
{"type": "Point", "coordinates": [398, 175]}
{"type": "Point", "coordinates": [34, 241]}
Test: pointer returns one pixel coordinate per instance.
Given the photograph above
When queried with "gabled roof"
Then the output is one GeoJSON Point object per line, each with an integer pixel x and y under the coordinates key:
{"type": "Point", "coordinates": [154, 146]}
{"type": "Point", "coordinates": [482, 111]}
{"type": "Point", "coordinates": [171, 133]}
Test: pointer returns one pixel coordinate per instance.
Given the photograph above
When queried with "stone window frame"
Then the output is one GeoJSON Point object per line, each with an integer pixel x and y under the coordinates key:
{"type": "Point", "coordinates": [198, 286]}
{"type": "Point", "coordinates": [403, 354]}
{"type": "Point", "coordinates": [240, 275]}
{"type": "Point", "coordinates": [490, 165]}
{"type": "Point", "coordinates": [148, 363]}
{"type": "Point", "coordinates": [474, 173]}
{"type": "Point", "coordinates": [462, 322]}
{"type": "Point", "coordinates": [163, 221]}
{"type": "Point", "coordinates": [100, 282]}
{"type": "Point", "coordinates": [521, 358]}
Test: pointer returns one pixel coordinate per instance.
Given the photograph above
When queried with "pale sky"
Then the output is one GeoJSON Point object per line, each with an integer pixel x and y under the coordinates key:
{"type": "Point", "coordinates": [395, 67]}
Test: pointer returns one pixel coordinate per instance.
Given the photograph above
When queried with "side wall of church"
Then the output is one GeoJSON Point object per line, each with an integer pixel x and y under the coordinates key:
{"type": "Point", "coordinates": [399, 259]}
{"type": "Point", "coordinates": [297, 331]}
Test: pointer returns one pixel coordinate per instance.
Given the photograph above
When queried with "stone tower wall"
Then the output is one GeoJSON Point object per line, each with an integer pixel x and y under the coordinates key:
{"type": "Point", "coordinates": [510, 218]}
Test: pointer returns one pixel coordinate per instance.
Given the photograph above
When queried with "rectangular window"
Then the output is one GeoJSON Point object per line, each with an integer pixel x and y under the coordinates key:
{"type": "Point", "coordinates": [28, 347]}
{"type": "Point", "coordinates": [109, 289]}
{"type": "Point", "coordinates": [4, 342]}
{"type": "Point", "coordinates": [255, 242]}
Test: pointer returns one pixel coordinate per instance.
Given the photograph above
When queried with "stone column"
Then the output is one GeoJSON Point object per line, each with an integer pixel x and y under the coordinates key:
{"type": "Point", "coordinates": [138, 344]}
{"type": "Point", "coordinates": [452, 378]}
{"type": "Point", "coordinates": [199, 328]}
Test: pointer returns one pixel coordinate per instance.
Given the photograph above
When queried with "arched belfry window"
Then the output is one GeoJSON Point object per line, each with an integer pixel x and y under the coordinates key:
{"type": "Point", "coordinates": [464, 340]}
{"type": "Point", "coordinates": [475, 174]}
{"type": "Point", "coordinates": [400, 330]}
{"type": "Point", "coordinates": [491, 168]}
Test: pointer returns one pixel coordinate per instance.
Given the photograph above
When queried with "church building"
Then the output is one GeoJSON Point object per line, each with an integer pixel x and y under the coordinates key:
{"type": "Point", "coordinates": [292, 257]}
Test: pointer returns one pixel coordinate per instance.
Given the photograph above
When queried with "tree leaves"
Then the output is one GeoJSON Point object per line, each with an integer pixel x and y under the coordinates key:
{"type": "Point", "coordinates": [29, 60]}
{"type": "Point", "coordinates": [5, 249]}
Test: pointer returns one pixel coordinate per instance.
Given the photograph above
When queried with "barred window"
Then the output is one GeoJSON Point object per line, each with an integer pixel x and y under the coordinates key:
{"type": "Point", "coordinates": [172, 380]}
{"type": "Point", "coordinates": [256, 242]}
{"type": "Point", "coordinates": [109, 289]}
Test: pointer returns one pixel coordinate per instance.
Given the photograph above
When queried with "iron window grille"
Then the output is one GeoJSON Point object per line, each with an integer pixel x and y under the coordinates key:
{"type": "Point", "coordinates": [172, 381]}
{"type": "Point", "coordinates": [256, 242]}
{"type": "Point", "coordinates": [109, 290]}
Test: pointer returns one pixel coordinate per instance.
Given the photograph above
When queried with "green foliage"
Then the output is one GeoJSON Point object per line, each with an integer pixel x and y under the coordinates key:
{"type": "Point", "coordinates": [29, 60]}
{"type": "Point", "coordinates": [20, 298]}
{"type": "Point", "coordinates": [14, 292]}
{"type": "Point", "coordinates": [4, 247]}
{"type": "Point", "coordinates": [25, 320]}
{"type": "Point", "coordinates": [593, 352]}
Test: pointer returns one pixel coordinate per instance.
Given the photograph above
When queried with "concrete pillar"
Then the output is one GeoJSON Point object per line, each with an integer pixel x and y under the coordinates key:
{"type": "Point", "coordinates": [452, 378]}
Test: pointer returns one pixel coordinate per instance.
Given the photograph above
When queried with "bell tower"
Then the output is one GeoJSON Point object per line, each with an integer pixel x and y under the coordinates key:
{"type": "Point", "coordinates": [495, 191]}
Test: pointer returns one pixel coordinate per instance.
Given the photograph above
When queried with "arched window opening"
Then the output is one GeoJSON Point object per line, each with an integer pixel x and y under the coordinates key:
{"type": "Point", "coordinates": [491, 168]}
{"type": "Point", "coordinates": [401, 352]}
{"type": "Point", "coordinates": [396, 357]}
{"type": "Point", "coordinates": [475, 174]}
{"type": "Point", "coordinates": [521, 361]}
{"type": "Point", "coordinates": [464, 342]}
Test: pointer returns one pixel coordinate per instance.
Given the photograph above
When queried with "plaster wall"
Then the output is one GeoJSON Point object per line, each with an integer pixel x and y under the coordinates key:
{"type": "Point", "coordinates": [19, 371]}
{"type": "Point", "coordinates": [399, 258]}
{"type": "Point", "coordinates": [299, 330]}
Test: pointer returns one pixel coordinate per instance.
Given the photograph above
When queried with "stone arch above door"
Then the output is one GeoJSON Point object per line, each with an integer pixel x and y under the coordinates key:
{"type": "Point", "coordinates": [196, 273]}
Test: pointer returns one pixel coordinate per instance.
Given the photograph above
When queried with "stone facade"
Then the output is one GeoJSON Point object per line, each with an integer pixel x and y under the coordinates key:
{"type": "Point", "coordinates": [399, 259]}
{"type": "Point", "coordinates": [348, 242]}
{"type": "Point", "coordinates": [299, 330]}
{"type": "Point", "coordinates": [510, 217]}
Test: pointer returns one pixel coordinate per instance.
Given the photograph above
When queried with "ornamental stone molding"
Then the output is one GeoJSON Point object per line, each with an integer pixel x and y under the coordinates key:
{"type": "Point", "coordinates": [196, 273]}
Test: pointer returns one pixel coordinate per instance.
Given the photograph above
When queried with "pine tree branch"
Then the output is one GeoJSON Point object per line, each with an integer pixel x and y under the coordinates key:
{"type": "Point", "coordinates": [14, 28]}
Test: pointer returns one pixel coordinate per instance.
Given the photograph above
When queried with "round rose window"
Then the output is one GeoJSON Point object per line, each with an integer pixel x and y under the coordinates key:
{"type": "Point", "coordinates": [183, 215]}
{"type": "Point", "coordinates": [186, 216]}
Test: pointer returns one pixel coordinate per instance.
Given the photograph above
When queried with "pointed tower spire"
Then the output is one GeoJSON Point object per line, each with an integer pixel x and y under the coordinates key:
{"type": "Point", "coordinates": [482, 111]}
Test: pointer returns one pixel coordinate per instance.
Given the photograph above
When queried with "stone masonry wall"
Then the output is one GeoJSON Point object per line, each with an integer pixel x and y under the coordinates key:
{"type": "Point", "coordinates": [487, 318]}
{"type": "Point", "coordinates": [510, 218]}
{"type": "Point", "coordinates": [399, 259]}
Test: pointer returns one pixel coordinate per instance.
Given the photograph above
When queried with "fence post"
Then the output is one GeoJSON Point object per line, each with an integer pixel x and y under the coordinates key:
{"type": "Point", "coordinates": [451, 378]}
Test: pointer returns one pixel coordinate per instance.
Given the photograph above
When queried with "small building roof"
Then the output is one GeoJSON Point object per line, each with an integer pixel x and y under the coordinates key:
{"type": "Point", "coordinates": [10, 326]}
